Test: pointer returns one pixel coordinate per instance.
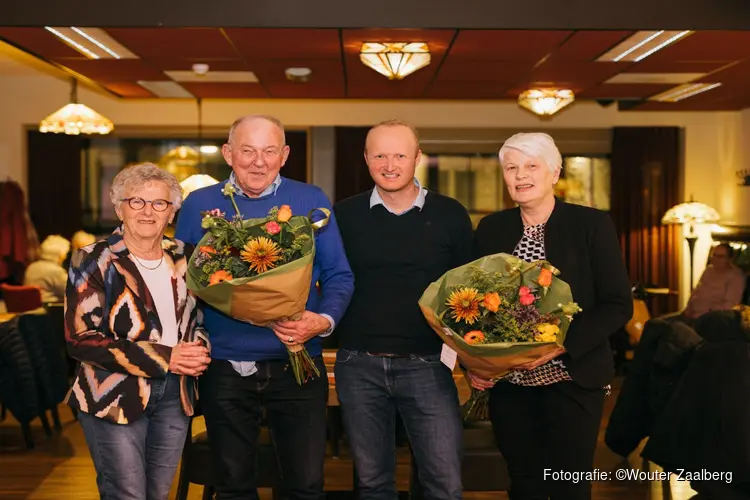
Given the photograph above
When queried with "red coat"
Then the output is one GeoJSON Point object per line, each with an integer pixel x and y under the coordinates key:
{"type": "Point", "coordinates": [14, 230]}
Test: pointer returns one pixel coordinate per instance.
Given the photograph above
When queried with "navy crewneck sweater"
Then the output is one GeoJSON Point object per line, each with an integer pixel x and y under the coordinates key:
{"type": "Point", "coordinates": [238, 341]}
{"type": "Point", "coordinates": [394, 259]}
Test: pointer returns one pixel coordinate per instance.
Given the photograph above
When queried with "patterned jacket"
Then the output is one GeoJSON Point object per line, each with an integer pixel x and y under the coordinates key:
{"type": "Point", "coordinates": [112, 327]}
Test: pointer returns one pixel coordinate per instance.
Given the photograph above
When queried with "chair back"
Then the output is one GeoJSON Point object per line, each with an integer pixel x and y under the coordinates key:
{"type": "Point", "coordinates": [21, 298]}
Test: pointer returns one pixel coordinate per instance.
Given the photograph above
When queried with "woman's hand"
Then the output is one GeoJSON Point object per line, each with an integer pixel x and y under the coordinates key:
{"type": "Point", "coordinates": [544, 359]}
{"type": "Point", "coordinates": [479, 382]}
{"type": "Point", "coordinates": [189, 358]}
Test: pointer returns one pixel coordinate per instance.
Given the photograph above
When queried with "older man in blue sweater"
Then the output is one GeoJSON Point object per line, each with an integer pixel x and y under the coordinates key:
{"type": "Point", "coordinates": [250, 367]}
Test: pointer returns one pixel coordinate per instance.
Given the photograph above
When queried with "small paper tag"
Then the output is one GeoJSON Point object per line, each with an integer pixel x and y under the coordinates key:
{"type": "Point", "coordinates": [448, 357]}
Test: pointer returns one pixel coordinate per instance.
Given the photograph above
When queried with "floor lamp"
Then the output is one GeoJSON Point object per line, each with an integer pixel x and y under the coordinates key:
{"type": "Point", "coordinates": [688, 214]}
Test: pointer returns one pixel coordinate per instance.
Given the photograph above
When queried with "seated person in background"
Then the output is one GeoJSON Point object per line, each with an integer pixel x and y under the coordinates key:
{"type": "Point", "coordinates": [48, 273]}
{"type": "Point", "coordinates": [720, 287]}
{"type": "Point", "coordinates": [82, 239]}
{"type": "Point", "coordinates": [79, 240]}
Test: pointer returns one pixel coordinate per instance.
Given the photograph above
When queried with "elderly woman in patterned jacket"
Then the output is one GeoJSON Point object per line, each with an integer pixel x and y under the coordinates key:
{"type": "Point", "coordinates": [133, 325]}
{"type": "Point", "coordinates": [546, 414]}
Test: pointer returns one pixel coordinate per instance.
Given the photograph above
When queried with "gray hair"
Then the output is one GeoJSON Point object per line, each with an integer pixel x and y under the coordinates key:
{"type": "Point", "coordinates": [54, 248]}
{"type": "Point", "coordinates": [248, 118]}
{"type": "Point", "coordinates": [136, 176]}
{"type": "Point", "coordinates": [534, 145]}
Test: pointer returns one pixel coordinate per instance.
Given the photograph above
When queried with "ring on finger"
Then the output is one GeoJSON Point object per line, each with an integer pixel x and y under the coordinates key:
{"type": "Point", "coordinates": [291, 339]}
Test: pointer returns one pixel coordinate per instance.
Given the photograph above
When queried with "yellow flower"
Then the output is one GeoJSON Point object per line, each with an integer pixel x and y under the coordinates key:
{"type": "Point", "coordinates": [547, 332]}
{"type": "Point", "coordinates": [261, 253]}
{"type": "Point", "coordinates": [464, 304]}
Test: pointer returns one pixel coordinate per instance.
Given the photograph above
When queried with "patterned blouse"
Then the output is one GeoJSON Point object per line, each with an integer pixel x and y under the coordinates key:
{"type": "Point", "coordinates": [531, 248]}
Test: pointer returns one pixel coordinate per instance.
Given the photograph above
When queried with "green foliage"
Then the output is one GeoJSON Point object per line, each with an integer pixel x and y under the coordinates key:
{"type": "Point", "coordinates": [228, 239]}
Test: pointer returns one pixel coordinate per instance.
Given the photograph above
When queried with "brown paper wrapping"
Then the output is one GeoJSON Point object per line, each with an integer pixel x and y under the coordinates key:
{"type": "Point", "coordinates": [281, 295]}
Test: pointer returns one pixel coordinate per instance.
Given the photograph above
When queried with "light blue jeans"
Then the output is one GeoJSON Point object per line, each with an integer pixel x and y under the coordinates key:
{"type": "Point", "coordinates": [137, 461]}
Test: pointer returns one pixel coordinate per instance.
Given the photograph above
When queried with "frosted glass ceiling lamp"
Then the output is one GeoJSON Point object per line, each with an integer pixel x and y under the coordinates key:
{"type": "Point", "coordinates": [75, 118]}
{"type": "Point", "coordinates": [395, 60]}
{"type": "Point", "coordinates": [545, 102]}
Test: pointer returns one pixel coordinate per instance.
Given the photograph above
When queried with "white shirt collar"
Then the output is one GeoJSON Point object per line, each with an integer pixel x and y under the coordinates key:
{"type": "Point", "coordinates": [376, 199]}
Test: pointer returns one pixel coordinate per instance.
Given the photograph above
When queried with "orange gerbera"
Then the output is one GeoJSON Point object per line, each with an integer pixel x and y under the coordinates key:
{"type": "Point", "coordinates": [474, 337]}
{"type": "Point", "coordinates": [464, 304]}
{"type": "Point", "coordinates": [261, 253]}
{"type": "Point", "coordinates": [492, 301]}
{"type": "Point", "coordinates": [218, 277]}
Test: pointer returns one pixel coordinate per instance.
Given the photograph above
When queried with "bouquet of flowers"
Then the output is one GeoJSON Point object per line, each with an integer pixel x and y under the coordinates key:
{"type": "Point", "coordinates": [258, 270]}
{"type": "Point", "coordinates": [497, 313]}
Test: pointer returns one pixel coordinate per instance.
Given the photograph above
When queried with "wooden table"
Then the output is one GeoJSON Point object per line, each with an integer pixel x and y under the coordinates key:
{"type": "Point", "coordinates": [6, 317]}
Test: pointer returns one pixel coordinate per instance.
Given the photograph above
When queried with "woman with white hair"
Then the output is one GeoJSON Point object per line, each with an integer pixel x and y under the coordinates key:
{"type": "Point", "coordinates": [47, 272]}
{"type": "Point", "coordinates": [133, 325]}
{"type": "Point", "coordinates": [546, 414]}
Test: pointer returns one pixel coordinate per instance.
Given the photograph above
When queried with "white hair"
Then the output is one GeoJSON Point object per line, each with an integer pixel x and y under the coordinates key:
{"type": "Point", "coordinates": [535, 145]}
{"type": "Point", "coordinates": [54, 248]}
{"type": "Point", "coordinates": [135, 177]}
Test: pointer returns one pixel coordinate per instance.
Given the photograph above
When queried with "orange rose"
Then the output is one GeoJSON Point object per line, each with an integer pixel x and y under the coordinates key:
{"type": "Point", "coordinates": [285, 213]}
{"type": "Point", "coordinates": [218, 277]}
{"type": "Point", "coordinates": [545, 277]}
{"type": "Point", "coordinates": [492, 301]}
{"type": "Point", "coordinates": [474, 337]}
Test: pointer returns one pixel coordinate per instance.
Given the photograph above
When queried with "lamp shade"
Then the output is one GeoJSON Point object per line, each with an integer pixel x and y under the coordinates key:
{"type": "Point", "coordinates": [690, 212]}
{"type": "Point", "coordinates": [545, 102]}
{"type": "Point", "coordinates": [395, 60]}
{"type": "Point", "coordinates": [75, 119]}
{"type": "Point", "coordinates": [196, 181]}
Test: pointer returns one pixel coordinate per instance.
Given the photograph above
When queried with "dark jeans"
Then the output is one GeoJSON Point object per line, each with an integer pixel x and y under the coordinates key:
{"type": "Point", "coordinates": [553, 427]}
{"type": "Point", "coordinates": [296, 416]}
{"type": "Point", "coordinates": [138, 461]}
{"type": "Point", "coordinates": [371, 390]}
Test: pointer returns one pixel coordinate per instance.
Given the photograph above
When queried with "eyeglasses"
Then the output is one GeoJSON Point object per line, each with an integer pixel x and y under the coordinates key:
{"type": "Point", "coordinates": [137, 203]}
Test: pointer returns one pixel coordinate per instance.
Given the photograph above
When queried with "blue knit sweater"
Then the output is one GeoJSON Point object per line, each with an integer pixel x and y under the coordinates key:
{"type": "Point", "coordinates": [238, 341]}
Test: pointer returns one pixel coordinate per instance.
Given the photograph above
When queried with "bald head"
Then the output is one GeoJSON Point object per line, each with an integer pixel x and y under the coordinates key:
{"type": "Point", "coordinates": [253, 119]}
{"type": "Point", "coordinates": [392, 125]}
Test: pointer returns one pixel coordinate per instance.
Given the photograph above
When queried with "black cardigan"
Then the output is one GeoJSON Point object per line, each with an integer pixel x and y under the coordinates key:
{"type": "Point", "coordinates": [582, 243]}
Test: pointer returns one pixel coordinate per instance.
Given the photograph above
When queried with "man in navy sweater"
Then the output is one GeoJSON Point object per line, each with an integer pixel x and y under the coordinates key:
{"type": "Point", "coordinates": [249, 367]}
{"type": "Point", "coordinates": [399, 238]}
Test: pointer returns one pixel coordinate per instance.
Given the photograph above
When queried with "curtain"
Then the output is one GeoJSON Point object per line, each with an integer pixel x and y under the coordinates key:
{"type": "Point", "coordinates": [647, 180]}
{"type": "Point", "coordinates": [352, 175]}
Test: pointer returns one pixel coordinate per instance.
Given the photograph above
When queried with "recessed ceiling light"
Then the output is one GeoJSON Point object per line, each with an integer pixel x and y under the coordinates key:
{"type": "Point", "coordinates": [298, 74]}
{"type": "Point", "coordinates": [684, 91]}
{"type": "Point", "coordinates": [641, 45]}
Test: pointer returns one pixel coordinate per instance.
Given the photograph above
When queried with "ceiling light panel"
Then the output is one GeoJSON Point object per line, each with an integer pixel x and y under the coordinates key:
{"type": "Point", "coordinates": [94, 43]}
{"type": "Point", "coordinates": [213, 76]}
{"type": "Point", "coordinates": [683, 92]}
{"type": "Point", "coordinates": [641, 45]}
{"type": "Point", "coordinates": [165, 89]}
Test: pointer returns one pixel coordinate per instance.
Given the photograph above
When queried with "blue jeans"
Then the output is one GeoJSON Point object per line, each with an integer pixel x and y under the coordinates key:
{"type": "Point", "coordinates": [371, 389]}
{"type": "Point", "coordinates": [138, 461]}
